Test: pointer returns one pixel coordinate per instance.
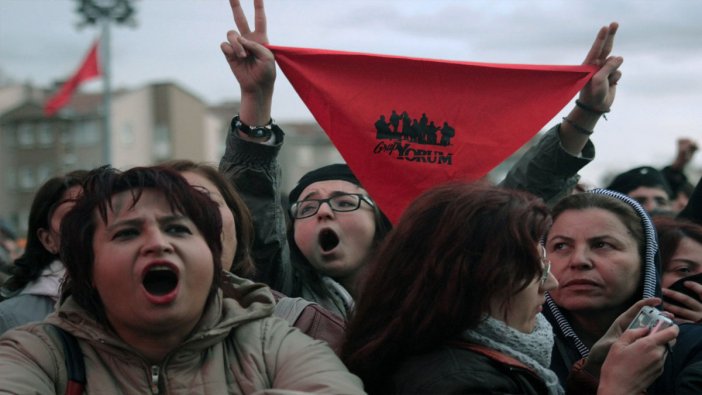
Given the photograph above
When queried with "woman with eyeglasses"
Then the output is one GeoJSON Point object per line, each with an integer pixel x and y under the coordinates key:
{"type": "Point", "coordinates": [453, 304]}
{"type": "Point", "coordinates": [334, 225]}
{"type": "Point", "coordinates": [335, 228]}
{"type": "Point", "coordinates": [323, 256]}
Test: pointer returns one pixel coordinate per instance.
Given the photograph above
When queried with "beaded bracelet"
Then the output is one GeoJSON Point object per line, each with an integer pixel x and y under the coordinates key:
{"type": "Point", "coordinates": [591, 109]}
{"type": "Point", "coordinates": [578, 128]}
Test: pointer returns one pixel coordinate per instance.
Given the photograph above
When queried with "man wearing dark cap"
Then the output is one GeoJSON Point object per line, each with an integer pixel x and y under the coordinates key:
{"type": "Point", "coordinates": [647, 186]}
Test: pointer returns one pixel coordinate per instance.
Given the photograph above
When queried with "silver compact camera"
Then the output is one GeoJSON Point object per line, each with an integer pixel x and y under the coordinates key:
{"type": "Point", "coordinates": [650, 317]}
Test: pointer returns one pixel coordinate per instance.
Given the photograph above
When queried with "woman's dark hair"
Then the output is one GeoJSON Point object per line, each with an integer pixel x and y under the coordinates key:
{"type": "Point", "coordinates": [243, 264]}
{"type": "Point", "coordinates": [455, 249]}
{"type": "Point", "coordinates": [626, 214]}
{"type": "Point", "coordinates": [671, 231]}
{"type": "Point", "coordinates": [79, 225]}
{"type": "Point", "coordinates": [36, 257]}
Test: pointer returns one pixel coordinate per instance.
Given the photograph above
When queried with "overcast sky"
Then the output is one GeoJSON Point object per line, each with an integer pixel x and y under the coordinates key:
{"type": "Point", "coordinates": [659, 97]}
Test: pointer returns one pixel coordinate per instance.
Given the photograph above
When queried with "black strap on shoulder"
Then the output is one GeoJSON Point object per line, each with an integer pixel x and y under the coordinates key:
{"type": "Point", "coordinates": [74, 362]}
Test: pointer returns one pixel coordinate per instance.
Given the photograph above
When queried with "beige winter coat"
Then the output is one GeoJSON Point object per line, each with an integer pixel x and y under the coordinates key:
{"type": "Point", "coordinates": [236, 348]}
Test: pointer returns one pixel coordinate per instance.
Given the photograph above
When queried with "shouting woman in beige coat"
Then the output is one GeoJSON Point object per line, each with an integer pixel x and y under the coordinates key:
{"type": "Point", "coordinates": [143, 300]}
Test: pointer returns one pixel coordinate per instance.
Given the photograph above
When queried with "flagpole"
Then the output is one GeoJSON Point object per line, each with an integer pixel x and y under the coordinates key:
{"type": "Point", "coordinates": [106, 93]}
{"type": "Point", "coordinates": [106, 12]}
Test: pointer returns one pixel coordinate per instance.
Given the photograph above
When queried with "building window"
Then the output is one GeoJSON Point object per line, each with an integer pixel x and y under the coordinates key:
{"type": "Point", "coordinates": [10, 179]}
{"type": "Point", "coordinates": [162, 143]}
{"type": "Point", "coordinates": [25, 135]}
{"type": "Point", "coordinates": [86, 133]}
{"type": "Point", "coordinates": [45, 136]}
{"type": "Point", "coordinates": [66, 137]}
{"type": "Point", "coordinates": [44, 172]}
{"type": "Point", "coordinates": [126, 135]}
{"type": "Point", "coordinates": [25, 178]}
{"type": "Point", "coordinates": [69, 159]}
{"type": "Point", "coordinates": [9, 136]}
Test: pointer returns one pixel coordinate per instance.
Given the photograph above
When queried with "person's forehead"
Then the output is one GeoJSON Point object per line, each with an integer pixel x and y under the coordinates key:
{"type": "Point", "coordinates": [596, 218]}
{"type": "Point", "coordinates": [325, 188]}
{"type": "Point", "coordinates": [149, 199]}
{"type": "Point", "coordinates": [643, 191]}
{"type": "Point", "coordinates": [688, 244]}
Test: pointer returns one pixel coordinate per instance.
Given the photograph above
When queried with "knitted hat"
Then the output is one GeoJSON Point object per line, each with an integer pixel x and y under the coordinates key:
{"type": "Point", "coordinates": [644, 176]}
{"type": "Point", "coordinates": [338, 171]}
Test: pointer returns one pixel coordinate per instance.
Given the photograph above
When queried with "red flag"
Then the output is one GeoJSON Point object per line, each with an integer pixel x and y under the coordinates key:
{"type": "Point", "coordinates": [90, 68]}
{"type": "Point", "coordinates": [404, 124]}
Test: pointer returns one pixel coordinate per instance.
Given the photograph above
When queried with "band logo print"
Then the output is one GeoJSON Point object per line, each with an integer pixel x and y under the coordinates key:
{"type": "Point", "coordinates": [406, 134]}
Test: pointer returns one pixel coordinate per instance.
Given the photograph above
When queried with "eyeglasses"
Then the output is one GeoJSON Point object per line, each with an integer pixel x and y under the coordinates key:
{"type": "Point", "coordinates": [546, 267]}
{"type": "Point", "coordinates": [341, 203]}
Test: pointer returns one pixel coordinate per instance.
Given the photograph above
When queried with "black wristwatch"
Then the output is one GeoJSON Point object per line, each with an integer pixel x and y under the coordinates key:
{"type": "Point", "coordinates": [258, 132]}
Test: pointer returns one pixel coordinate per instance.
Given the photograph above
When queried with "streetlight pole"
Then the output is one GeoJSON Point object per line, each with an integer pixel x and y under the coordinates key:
{"type": "Point", "coordinates": [106, 12]}
{"type": "Point", "coordinates": [107, 93]}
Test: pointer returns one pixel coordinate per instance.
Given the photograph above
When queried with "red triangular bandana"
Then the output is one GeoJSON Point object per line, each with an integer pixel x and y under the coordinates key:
{"type": "Point", "coordinates": [90, 68]}
{"type": "Point", "coordinates": [404, 125]}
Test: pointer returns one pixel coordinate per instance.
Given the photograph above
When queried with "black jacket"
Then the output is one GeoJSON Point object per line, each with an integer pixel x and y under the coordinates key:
{"type": "Point", "coordinates": [463, 370]}
{"type": "Point", "coordinates": [693, 210]}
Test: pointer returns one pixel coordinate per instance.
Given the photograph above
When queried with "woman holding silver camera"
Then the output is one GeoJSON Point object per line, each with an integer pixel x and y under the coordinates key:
{"type": "Point", "coordinates": [453, 305]}
{"type": "Point", "coordinates": [604, 250]}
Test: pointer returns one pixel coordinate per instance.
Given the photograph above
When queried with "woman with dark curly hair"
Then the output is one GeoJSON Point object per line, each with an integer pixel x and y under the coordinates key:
{"type": "Point", "coordinates": [143, 301]}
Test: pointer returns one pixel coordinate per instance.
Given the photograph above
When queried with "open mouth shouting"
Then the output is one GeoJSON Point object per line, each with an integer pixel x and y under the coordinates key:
{"type": "Point", "coordinates": [160, 281]}
{"type": "Point", "coordinates": [328, 240]}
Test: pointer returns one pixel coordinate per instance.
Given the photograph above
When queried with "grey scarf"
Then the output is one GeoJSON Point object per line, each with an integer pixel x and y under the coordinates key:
{"type": "Point", "coordinates": [532, 349]}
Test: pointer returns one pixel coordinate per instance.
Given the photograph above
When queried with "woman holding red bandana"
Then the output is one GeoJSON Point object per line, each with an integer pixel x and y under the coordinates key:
{"type": "Point", "coordinates": [324, 255]}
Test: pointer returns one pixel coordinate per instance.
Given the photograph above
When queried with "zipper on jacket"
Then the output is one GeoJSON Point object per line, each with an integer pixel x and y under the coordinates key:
{"type": "Point", "coordinates": [155, 373]}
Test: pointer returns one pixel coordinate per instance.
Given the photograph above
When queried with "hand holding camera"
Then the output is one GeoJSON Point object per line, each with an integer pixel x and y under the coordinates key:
{"type": "Point", "coordinates": [652, 318]}
{"type": "Point", "coordinates": [642, 352]}
{"type": "Point", "coordinates": [600, 350]}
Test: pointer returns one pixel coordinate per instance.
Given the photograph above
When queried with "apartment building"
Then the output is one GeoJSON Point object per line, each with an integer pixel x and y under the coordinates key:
{"type": "Point", "coordinates": [149, 124]}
